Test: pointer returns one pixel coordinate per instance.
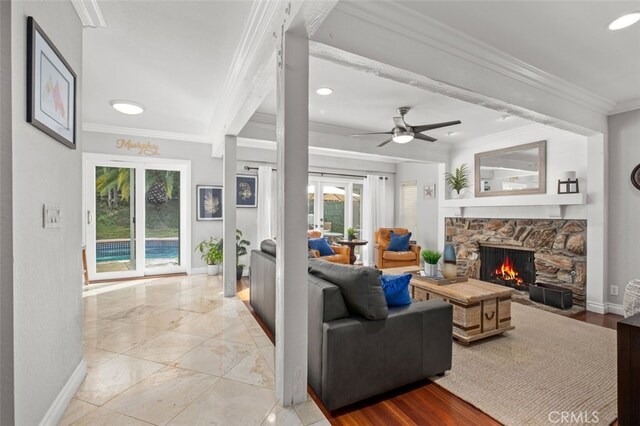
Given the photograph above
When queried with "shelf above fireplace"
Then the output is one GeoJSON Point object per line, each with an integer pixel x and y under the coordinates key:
{"type": "Point", "coordinates": [553, 202]}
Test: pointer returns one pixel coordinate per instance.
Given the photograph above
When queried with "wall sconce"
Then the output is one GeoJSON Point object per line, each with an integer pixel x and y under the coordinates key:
{"type": "Point", "coordinates": [568, 183]}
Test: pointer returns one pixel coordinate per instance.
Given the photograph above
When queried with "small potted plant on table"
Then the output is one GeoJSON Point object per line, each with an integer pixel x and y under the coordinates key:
{"type": "Point", "coordinates": [352, 234]}
{"type": "Point", "coordinates": [431, 258]}
{"type": "Point", "coordinates": [211, 253]}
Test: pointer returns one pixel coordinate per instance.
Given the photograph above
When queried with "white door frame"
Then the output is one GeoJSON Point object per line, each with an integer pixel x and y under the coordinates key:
{"type": "Point", "coordinates": [318, 182]}
{"type": "Point", "coordinates": [140, 164]}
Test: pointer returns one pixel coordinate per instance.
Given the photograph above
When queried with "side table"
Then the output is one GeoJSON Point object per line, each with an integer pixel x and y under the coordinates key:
{"type": "Point", "coordinates": [352, 244]}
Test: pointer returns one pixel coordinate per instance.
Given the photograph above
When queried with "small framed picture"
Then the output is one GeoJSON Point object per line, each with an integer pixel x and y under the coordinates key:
{"type": "Point", "coordinates": [51, 88]}
{"type": "Point", "coordinates": [209, 200]}
{"type": "Point", "coordinates": [246, 191]}
{"type": "Point", "coordinates": [429, 191]}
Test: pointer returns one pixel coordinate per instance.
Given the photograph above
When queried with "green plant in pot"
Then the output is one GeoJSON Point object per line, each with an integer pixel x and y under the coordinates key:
{"type": "Point", "coordinates": [352, 234]}
{"type": "Point", "coordinates": [211, 252]}
{"type": "Point", "coordinates": [431, 258]}
{"type": "Point", "coordinates": [241, 250]}
{"type": "Point", "coordinates": [458, 180]}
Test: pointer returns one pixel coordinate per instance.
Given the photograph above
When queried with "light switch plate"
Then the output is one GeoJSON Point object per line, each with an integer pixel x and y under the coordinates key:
{"type": "Point", "coordinates": [51, 217]}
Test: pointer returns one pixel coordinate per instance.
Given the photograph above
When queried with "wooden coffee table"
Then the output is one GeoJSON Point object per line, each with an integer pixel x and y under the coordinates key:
{"type": "Point", "coordinates": [480, 309]}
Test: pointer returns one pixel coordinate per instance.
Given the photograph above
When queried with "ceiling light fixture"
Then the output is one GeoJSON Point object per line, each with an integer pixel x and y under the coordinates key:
{"type": "Point", "coordinates": [324, 91]}
{"type": "Point", "coordinates": [401, 137]}
{"type": "Point", "coordinates": [127, 107]}
{"type": "Point", "coordinates": [625, 21]}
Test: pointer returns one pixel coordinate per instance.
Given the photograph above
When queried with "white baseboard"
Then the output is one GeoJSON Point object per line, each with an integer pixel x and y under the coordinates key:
{"type": "Point", "coordinates": [60, 404]}
{"type": "Point", "coordinates": [614, 308]}
{"type": "Point", "coordinates": [606, 308]}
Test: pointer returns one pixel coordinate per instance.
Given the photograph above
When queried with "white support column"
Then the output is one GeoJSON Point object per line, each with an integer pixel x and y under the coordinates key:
{"type": "Point", "coordinates": [291, 261]}
{"type": "Point", "coordinates": [229, 215]}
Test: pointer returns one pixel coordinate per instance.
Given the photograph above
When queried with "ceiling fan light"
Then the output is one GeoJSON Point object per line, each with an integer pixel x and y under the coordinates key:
{"type": "Point", "coordinates": [127, 107]}
{"type": "Point", "coordinates": [402, 137]}
{"type": "Point", "coordinates": [324, 91]}
{"type": "Point", "coordinates": [625, 21]}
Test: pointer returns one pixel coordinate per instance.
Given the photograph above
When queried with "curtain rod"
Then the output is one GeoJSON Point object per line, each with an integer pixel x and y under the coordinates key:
{"type": "Point", "coordinates": [322, 173]}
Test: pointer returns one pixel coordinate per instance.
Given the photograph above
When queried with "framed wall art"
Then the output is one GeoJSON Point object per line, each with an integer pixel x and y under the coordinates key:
{"type": "Point", "coordinates": [246, 191]}
{"type": "Point", "coordinates": [51, 88]}
{"type": "Point", "coordinates": [209, 202]}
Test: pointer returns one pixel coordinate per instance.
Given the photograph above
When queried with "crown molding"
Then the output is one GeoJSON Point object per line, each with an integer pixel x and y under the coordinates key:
{"type": "Point", "coordinates": [89, 13]}
{"type": "Point", "coordinates": [626, 106]}
{"type": "Point", "coordinates": [144, 133]}
{"type": "Point", "coordinates": [406, 22]}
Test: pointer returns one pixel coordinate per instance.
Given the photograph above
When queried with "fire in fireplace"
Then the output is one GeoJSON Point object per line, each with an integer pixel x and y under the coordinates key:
{"type": "Point", "coordinates": [507, 266]}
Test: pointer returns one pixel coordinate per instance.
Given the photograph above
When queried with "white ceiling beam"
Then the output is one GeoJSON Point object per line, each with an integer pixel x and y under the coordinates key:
{"type": "Point", "coordinates": [89, 13]}
{"type": "Point", "coordinates": [252, 73]}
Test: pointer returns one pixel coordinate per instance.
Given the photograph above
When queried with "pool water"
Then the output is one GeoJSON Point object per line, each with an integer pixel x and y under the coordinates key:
{"type": "Point", "coordinates": [110, 251]}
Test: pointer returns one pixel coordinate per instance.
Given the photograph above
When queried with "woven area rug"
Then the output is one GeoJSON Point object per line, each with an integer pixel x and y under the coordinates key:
{"type": "Point", "coordinates": [549, 365]}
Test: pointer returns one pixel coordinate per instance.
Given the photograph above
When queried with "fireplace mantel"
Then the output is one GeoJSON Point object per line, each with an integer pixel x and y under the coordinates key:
{"type": "Point", "coordinates": [553, 203]}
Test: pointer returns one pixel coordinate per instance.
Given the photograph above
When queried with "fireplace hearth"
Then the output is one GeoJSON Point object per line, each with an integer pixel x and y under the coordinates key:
{"type": "Point", "coordinates": [507, 266]}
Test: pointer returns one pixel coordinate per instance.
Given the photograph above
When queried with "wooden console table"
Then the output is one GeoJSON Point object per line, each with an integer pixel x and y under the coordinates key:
{"type": "Point", "coordinates": [480, 309]}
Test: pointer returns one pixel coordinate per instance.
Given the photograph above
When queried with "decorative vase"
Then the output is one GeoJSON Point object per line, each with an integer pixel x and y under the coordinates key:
{"type": "Point", "coordinates": [239, 270]}
{"type": "Point", "coordinates": [450, 266]}
{"type": "Point", "coordinates": [431, 269]}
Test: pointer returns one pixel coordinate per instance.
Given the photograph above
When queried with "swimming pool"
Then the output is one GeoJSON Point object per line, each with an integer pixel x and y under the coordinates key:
{"type": "Point", "coordinates": [115, 250]}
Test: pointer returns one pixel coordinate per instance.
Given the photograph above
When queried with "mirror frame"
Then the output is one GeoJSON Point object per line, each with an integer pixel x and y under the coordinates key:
{"type": "Point", "coordinates": [542, 169]}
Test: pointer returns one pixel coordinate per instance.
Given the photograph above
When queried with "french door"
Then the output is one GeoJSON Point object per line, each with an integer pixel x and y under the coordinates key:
{"type": "Point", "coordinates": [137, 217]}
{"type": "Point", "coordinates": [334, 206]}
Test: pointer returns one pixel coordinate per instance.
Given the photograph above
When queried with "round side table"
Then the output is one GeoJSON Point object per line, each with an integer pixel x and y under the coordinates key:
{"type": "Point", "coordinates": [352, 244]}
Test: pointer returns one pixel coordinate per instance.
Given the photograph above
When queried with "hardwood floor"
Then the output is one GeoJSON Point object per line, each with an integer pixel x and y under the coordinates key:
{"type": "Point", "coordinates": [423, 403]}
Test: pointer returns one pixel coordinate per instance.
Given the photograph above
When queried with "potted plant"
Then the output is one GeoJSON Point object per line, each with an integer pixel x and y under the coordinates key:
{"type": "Point", "coordinates": [458, 180]}
{"type": "Point", "coordinates": [352, 234]}
{"type": "Point", "coordinates": [431, 258]}
{"type": "Point", "coordinates": [241, 250]}
{"type": "Point", "coordinates": [211, 253]}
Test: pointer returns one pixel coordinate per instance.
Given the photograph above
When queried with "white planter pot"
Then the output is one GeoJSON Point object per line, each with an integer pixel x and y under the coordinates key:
{"type": "Point", "coordinates": [213, 269]}
{"type": "Point", "coordinates": [456, 196]}
{"type": "Point", "coordinates": [431, 270]}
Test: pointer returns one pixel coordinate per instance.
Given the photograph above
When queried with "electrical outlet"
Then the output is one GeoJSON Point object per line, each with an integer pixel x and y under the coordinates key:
{"type": "Point", "coordinates": [614, 290]}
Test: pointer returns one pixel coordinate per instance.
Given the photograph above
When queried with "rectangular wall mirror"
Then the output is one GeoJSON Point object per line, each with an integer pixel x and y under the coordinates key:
{"type": "Point", "coordinates": [516, 170]}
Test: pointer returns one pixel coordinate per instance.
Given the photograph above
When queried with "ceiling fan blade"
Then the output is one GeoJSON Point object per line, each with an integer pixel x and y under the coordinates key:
{"type": "Point", "coordinates": [424, 137]}
{"type": "Point", "coordinates": [399, 122]}
{"type": "Point", "coordinates": [426, 127]}
{"type": "Point", "coordinates": [385, 142]}
{"type": "Point", "coordinates": [374, 133]}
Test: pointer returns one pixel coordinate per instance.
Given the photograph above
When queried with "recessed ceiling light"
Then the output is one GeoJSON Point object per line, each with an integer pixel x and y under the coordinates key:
{"type": "Point", "coordinates": [505, 117]}
{"type": "Point", "coordinates": [324, 91]}
{"type": "Point", "coordinates": [625, 21]}
{"type": "Point", "coordinates": [127, 107]}
{"type": "Point", "coordinates": [451, 133]}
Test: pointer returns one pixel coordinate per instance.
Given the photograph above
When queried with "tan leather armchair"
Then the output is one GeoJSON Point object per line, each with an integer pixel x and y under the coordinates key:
{"type": "Point", "coordinates": [393, 259]}
{"type": "Point", "coordinates": [341, 252]}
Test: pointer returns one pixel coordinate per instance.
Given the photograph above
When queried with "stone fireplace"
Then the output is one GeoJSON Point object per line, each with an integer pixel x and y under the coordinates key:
{"type": "Point", "coordinates": [548, 251]}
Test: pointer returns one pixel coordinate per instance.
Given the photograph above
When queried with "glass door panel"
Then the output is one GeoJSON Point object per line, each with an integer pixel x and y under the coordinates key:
{"type": "Point", "coordinates": [333, 205]}
{"type": "Point", "coordinates": [162, 219]}
{"type": "Point", "coordinates": [311, 220]}
{"type": "Point", "coordinates": [115, 213]}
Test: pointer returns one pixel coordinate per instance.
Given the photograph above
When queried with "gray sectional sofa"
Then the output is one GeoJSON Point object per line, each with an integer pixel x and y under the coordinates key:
{"type": "Point", "coordinates": [351, 358]}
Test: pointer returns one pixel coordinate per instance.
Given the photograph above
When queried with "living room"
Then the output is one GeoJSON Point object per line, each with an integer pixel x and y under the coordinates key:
{"type": "Point", "coordinates": [524, 200]}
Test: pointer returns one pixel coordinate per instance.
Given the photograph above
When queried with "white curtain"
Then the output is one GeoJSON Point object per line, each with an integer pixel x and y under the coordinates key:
{"type": "Point", "coordinates": [266, 204]}
{"type": "Point", "coordinates": [374, 215]}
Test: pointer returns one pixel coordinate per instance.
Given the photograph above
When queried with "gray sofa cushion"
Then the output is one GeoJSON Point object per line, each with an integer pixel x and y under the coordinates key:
{"type": "Point", "coordinates": [360, 287]}
{"type": "Point", "coordinates": [269, 247]}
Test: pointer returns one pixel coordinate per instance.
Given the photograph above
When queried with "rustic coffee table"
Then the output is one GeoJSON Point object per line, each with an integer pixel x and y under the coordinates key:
{"type": "Point", "coordinates": [480, 309]}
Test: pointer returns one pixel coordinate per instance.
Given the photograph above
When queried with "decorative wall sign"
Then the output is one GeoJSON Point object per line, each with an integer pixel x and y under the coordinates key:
{"type": "Point", "coordinates": [246, 191]}
{"type": "Point", "coordinates": [635, 176]}
{"type": "Point", "coordinates": [51, 217]}
{"type": "Point", "coordinates": [209, 202]}
{"type": "Point", "coordinates": [141, 148]}
{"type": "Point", "coordinates": [51, 88]}
{"type": "Point", "coordinates": [429, 191]}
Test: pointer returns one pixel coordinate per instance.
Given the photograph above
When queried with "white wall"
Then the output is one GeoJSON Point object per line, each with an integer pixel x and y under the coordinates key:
{"type": "Point", "coordinates": [565, 151]}
{"type": "Point", "coordinates": [427, 209]}
{"type": "Point", "coordinates": [205, 170]}
{"type": "Point", "coordinates": [624, 201]}
{"type": "Point", "coordinates": [47, 263]}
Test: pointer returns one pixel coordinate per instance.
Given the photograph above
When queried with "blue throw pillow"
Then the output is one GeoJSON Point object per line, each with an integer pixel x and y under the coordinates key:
{"type": "Point", "coordinates": [399, 242]}
{"type": "Point", "coordinates": [396, 289]}
{"type": "Point", "coordinates": [321, 245]}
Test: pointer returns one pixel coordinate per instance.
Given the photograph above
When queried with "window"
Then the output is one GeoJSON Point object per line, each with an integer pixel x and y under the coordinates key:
{"type": "Point", "coordinates": [409, 205]}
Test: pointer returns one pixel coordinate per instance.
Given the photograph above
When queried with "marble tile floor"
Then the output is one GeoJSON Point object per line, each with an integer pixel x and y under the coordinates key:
{"type": "Point", "coordinates": [174, 351]}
